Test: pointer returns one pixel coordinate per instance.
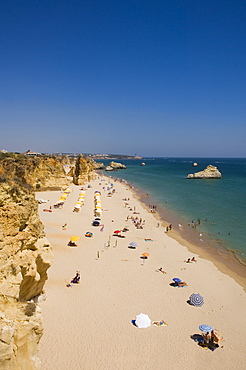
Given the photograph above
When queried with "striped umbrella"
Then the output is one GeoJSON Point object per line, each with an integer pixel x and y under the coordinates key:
{"type": "Point", "coordinates": [206, 328]}
{"type": "Point", "coordinates": [196, 299]}
{"type": "Point", "coordinates": [132, 245]}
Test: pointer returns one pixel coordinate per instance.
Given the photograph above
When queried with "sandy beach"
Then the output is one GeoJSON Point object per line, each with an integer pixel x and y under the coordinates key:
{"type": "Point", "coordinates": [89, 325]}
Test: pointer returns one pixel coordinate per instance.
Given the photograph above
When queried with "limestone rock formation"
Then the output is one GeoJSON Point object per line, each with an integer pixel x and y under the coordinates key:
{"type": "Point", "coordinates": [98, 165]}
{"type": "Point", "coordinates": [210, 172]}
{"type": "Point", "coordinates": [109, 168]}
{"type": "Point", "coordinates": [25, 258]}
{"type": "Point", "coordinates": [84, 170]}
{"type": "Point", "coordinates": [117, 166]}
{"type": "Point", "coordinates": [43, 172]}
{"type": "Point", "coordinates": [194, 164]}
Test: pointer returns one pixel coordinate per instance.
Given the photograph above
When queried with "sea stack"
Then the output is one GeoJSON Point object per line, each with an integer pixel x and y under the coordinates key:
{"type": "Point", "coordinates": [117, 165]}
{"type": "Point", "coordinates": [194, 164]}
{"type": "Point", "coordinates": [210, 172]}
{"type": "Point", "coordinates": [143, 164]}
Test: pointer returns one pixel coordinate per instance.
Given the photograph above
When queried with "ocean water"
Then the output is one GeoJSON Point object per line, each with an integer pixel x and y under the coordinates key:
{"type": "Point", "coordinates": [220, 204]}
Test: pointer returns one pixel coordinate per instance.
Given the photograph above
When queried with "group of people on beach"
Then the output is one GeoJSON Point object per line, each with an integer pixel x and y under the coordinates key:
{"type": "Point", "coordinates": [138, 222]}
{"type": "Point", "coordinates": [210, 340]}
{"type": "Point", "coordinates": [153, 208]}
{"type": "Point", "coordinates": [169, 228]}
{"type": "Point", "coordinates": [189, 260]}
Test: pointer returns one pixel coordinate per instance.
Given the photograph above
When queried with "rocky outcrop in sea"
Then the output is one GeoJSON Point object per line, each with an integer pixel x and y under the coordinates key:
{"type": "Point", "coordinates": [115, 166]}
{"type": "Point", "coordinates": [98, 165]}
{"type": "Point", "coordinates": [210, 172]}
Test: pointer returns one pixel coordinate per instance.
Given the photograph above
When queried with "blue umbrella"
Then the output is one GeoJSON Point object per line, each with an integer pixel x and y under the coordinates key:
{"type": "Point", "coordinates": [133, 244]}
{"type": "Point", "coordinates": [177, 280]}
{"type": "Point", "coordinates": [206, 328]}
{"type": "Point", "coordinates": [196, 299]}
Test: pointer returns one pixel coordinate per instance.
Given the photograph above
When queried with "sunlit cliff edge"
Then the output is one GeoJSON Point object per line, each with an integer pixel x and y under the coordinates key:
{"type": "Point", "coordinates": [25, 253]}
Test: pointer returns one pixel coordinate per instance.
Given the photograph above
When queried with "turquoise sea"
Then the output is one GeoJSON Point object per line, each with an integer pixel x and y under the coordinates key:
{"type": "Point", "coordinates": [220, 204]}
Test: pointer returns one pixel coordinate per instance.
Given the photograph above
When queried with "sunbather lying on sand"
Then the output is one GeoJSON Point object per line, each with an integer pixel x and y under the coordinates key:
{"type": "Point", "coordinates": [182, 283]}
{"type": "Point", "coordinates": [188, 260]}
{"type": "Point", "coordinates": [160, 269]}
{"type": "Point", "coordinates": [159, 323]}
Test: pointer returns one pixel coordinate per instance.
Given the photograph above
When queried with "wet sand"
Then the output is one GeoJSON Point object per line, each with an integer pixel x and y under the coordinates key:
{"type": "Point", "coordinates": [214, 250]}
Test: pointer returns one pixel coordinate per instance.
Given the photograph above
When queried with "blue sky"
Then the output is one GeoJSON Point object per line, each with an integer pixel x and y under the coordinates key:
{"type": "Point", "coordinates": [153, 78]}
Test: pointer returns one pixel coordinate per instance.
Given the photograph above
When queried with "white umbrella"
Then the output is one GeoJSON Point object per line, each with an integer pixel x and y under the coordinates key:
{"type": "Point", "coordinates": [142, 321]}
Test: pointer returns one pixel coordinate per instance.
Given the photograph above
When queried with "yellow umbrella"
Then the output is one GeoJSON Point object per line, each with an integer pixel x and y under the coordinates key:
{"type": "Point", "coordinates": [74, 238]}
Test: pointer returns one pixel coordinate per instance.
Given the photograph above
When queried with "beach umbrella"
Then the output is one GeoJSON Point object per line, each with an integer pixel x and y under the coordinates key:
{"type": "Point", "coordinates": [142, 321]}
{"type": "Point", "coordinates": [145, 254]}
{"type": "Point", "coordinates": [133, 244]}
{"type": "Point", "coordinates": [196, 299]}
{"type": "Point", "coordinates": [206, 328]}
{"type": "Point", "coordinates": [74, 238]}
{"type": "Point", "coordinates": [117, 231]}
{"type": "Point", "coordinates": [177, 280]}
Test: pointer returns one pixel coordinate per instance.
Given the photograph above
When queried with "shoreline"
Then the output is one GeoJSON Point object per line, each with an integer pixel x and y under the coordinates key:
{"type": "Point", "coordinates": [224, 259]}
{"type": "Point", "coordinates": [92, 322]}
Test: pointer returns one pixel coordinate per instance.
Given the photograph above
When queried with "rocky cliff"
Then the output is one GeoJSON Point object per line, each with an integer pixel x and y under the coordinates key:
{"type": "Point", "coordinates": [42, 173]}
{"type": "Point", "coordinates": [210, 172]}
{"type": "Point", "coordinates": [25, 256]}
{"type": "Point", "coordinates": [83, 171]}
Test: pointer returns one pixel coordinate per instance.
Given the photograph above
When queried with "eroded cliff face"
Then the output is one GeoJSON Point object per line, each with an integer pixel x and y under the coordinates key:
{"type": "Point", "coordinates": [42, 173]}
{"type": "Point", "coordinates": [25, 256]}
{"type": "Point", "coordinates": [83, 171]}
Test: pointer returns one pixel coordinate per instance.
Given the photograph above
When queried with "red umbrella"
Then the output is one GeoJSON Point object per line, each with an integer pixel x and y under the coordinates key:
{"type": "Point", "coordinates": [117, 231]}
